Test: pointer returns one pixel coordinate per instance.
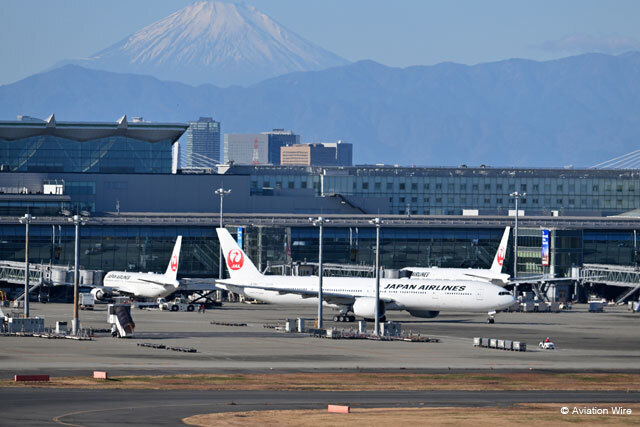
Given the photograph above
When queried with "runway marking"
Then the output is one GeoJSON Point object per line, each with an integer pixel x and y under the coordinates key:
{"type": "Point", "coordinates": [58, 420]}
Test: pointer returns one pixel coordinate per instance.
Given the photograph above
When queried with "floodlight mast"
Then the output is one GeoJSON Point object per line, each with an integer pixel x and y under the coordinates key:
{"type": "Point", "coordinates": [221, 192]}
{"type": "Point", "coordinates": [516, 196]}
{"type": "Point", "coordinates": [377, 222]}
{"type": "Point", "coordinates": [319, 222]}
{"type": "Point", "coordinates": [26, 220]}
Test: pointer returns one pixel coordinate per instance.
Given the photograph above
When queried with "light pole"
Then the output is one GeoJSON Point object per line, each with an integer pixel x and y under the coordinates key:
{"type": "Point", "coordinates": [319, 222]}
{"type": "Point", "coordinates": [221, 192]}
{"type": "Point", "coordinates": [377, 222]}
{"type": "Point", "coordinates": [77, 220]}
{"type": "Point", "coordinates": [26, 220]}
{"type": "Point", "coordinates": [516, 196]}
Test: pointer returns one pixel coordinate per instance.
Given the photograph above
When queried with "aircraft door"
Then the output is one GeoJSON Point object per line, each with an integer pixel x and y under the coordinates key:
{"type": "Point", "coordinates": [479, 296]}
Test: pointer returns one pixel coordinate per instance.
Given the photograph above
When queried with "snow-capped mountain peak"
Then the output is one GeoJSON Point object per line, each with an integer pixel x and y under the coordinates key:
{"type": "Point", "coordinates": [214, 42]}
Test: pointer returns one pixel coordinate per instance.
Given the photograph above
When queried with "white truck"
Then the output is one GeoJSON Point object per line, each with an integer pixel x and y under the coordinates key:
{"type": "Point", "coordinates": [178, 304]}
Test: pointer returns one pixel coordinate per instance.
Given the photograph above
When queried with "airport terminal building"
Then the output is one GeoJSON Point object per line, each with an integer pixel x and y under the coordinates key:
{"type": "Point", "coordinates": [120, 173]}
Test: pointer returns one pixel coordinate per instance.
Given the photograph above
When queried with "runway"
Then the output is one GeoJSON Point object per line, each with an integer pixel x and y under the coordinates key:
{"type": "Point", "coordinates": [47, 406]}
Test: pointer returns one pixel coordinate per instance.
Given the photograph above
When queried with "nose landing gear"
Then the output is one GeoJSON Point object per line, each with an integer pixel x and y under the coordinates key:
{"type": "Point", "coordinates": [492, 317]}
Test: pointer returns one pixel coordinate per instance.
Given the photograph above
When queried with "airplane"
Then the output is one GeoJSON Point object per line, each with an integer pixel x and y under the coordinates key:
{"type": "Point", "coordinates": [493, 274]}
{"type": "Point", "coordinates": [142, 285]}
{"type": "Point", "coordinates": [423, 298]}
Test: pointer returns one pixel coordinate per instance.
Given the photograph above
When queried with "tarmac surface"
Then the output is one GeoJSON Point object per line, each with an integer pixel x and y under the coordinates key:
{"type": "Point", "coordinates": [584, 341]}
{"type": "Point", "coordinates": [46, 406]}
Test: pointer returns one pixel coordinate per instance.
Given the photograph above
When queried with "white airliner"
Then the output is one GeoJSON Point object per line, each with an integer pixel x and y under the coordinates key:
{"type": "Point", "coordinates": [142, 285]}
{"type": "Point", "coordinates": [493, 275]}
{"type": "Point", "coordinates": [420, 297]}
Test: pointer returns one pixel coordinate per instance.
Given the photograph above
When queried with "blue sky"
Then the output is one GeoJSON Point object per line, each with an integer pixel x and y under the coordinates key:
{"type": "Point", "coordinates": [36, 34]}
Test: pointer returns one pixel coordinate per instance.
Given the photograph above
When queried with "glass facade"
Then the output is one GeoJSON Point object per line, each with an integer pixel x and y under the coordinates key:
{"type": "Point", "coordinates": [201, 145]}
{"type": "Point", "coordinates": [148, 248]}
{"type": "Point", "coordinates": [112, 154]}
{"type": "Point", "coordinates": [134, 248]}
{"type": "Point", "coordinates": [449, 191]}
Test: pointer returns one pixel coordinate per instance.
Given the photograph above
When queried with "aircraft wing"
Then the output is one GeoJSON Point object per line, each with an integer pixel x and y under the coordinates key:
{"type": "Point", "coordinates": [155, 282]}
{"type": "Point", "coordinates": [538, 279]}
{"type": "Point", "coordinates": [329, 297]}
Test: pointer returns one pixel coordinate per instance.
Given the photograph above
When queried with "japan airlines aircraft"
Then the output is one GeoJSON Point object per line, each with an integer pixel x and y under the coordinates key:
{"type": "Point", "coordinates": [420, 297]}
{"type": "Point", "coordinates": [493, 275]}
{"type": "Point", "coordinates": [142, 285]}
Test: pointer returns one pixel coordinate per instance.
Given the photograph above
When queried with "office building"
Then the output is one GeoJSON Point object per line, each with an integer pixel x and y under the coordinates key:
{"type": "Point", "coordinates": [278, 138]}
{"type": "Point", "coordinates": [317, 154]}
{"type": "Point", "coordinates": [200, 145]}
{"type": "Point", "coordinates": [246, 148]}
{"type": "Point", "coordinates": [257, 148]}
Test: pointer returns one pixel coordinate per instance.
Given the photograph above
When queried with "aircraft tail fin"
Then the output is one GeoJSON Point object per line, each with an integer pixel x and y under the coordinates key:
{"type": "Point", "coordinates": [496, 267]}
{"type": "Point", "coordinates": [172, 268]}
{"type": "Point", "coordinates": [238, 263]}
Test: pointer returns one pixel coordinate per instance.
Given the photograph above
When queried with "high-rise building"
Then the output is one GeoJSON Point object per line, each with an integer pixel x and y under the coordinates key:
{"type": "Point", "coordinates": [344, 152]}
{"type": "Point", "coordinates": [257, 148]}
{"type": "Point", "coordinates": [317, 154]}
{"type": "Point", "coordinates": [246, 148]}
{"type": "Point", "coordinates": [200, 148]}
{"type": "Point", "coordinates": [278, 138]}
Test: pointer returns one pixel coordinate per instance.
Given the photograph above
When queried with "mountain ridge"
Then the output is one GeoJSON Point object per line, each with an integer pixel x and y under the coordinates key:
{"type": "Point", "coordinates": [574, 111]}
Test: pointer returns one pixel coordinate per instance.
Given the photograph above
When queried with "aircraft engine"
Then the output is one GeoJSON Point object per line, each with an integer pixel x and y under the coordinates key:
{"type": "Point", "coordinates": [98, 293]}
{"type": "Point", "coordinates": [366, 307]}
{"type": "Point", "coordinates": [426, 314]}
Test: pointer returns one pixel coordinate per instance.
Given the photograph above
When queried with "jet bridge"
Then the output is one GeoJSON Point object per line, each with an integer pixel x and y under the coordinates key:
{"type": "Point", "coordinates": [612, 275]}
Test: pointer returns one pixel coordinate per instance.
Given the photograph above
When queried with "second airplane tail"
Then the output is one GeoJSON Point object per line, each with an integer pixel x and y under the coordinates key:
{"type": "Point", "coordinates": [238, 263]}
{"type": "Point", "coordinates": [496, 267]}
{"type": "Point", "coordinates": [172, 268]}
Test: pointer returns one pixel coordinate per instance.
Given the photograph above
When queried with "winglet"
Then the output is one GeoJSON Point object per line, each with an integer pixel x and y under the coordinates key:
{"type": "Point", "coordinates": [501, 253]}
{"type": "Point", "coordinates": [238, 263]}
{"type": "Point", "coordinates": [172, 268]}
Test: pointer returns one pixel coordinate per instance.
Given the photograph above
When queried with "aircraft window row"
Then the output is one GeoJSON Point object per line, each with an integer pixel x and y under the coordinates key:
{"type": "Point", "coordinates": [504, 293]}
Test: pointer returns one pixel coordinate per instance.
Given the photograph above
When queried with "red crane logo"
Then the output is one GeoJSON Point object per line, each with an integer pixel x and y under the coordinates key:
{"type": "Point", "coordinates": [235, 259]}
{"type": "Point", "coordinates": [174, 263]}
{"type": "Point", "coordinates": [500, 256]}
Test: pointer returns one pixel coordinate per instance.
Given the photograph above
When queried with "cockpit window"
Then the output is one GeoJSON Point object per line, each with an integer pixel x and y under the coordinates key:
{"type": "Point", "coordinates": [504, 293]}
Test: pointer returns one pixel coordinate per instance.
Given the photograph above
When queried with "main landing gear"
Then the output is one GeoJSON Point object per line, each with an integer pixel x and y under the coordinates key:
{"type": "Point", "coordinates": [344, 318]}
{"type": "Point", "coordinates": [492, 317]}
